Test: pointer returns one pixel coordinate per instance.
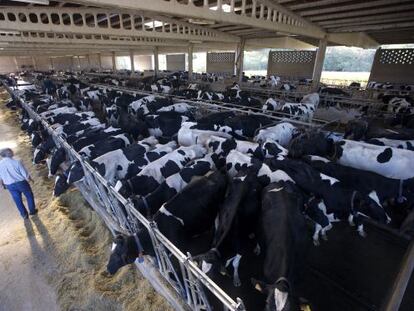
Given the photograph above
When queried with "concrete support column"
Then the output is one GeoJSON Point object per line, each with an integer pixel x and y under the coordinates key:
{"type": "Point", "coordinates": [34, 63]}
{"type": "Point", "coordinates": [99, 62]}
{"type": "Point", "coordinates": [131, 56]}
{"type": "Point", "coordinates": [15, 63]}
{"type": "Point", "coordinates": [72, 63]}
{"type": "Point", "coordinates": [320, 58]}
{"type": "Point", "coordinates": [156, 63]}
{"type": "Point", "coordinates": [89, 61]}
{"type": "Point", "coordinates": [79, 63]}
{"type": "Point", "coordinates": [113, 62]}
{"type": "Point", "coordinates": [239, 59]}
{"type": "Point", "coordinates": [51, 63]}
{"type": "Point", "coordinates": [190, 62]}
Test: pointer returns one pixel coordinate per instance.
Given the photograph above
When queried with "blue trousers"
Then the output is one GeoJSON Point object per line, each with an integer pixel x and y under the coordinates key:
{"type": "Point", "coordinates": [16, 190]}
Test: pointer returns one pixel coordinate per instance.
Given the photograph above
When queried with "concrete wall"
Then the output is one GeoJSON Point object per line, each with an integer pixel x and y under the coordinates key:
{"type": "Point", "coordinates": [291, 64]}
{"type": "Point", "coordinates": [7, 64]}
{"type": "Point", "coordinates": [24, 63]}
{"type": "Point", "coordinates": [220, 62]}
{"type": "Point", "coordinates": [143, 62]}
{"type": "Point", "coordinates": [63, 63]}
{"type": "Point", "coordinates": [43, 63]}
{"type": "Point", "coordinates": [106, 62]}
{"type": "Point", "coordinates": [94, 59]}
{"type": "Point", "coordinates": [176, 62]}
{"type": "Point", "coordinates": [84, 63]}
{"type": "Point", "coordinates": [393, 65]}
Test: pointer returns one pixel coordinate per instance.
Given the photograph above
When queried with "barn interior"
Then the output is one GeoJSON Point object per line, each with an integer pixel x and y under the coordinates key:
{"type": "Point", "coordinates": [281, 190]}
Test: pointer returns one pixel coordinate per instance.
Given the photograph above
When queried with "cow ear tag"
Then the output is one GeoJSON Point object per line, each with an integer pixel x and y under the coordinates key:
{"type": "Point", "coordinates": [140, 258]}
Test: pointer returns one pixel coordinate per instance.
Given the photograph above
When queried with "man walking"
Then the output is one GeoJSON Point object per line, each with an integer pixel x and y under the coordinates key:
{"type": "Point", "coordinates": [15, 178]}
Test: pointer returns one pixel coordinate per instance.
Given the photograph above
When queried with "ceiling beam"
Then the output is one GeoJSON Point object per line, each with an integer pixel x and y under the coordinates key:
{"type": "Point", "coordinates": [352, 7]}
{"type": "Point", "coordinates": [278, 19]}
{"type": "Point", "coordinates": [51, 38]}
{"type": "Point", "coordinates": [24, 20]}
{"type": "Point", "coordinates": [394, 26]}
{"type": "Point", "coordinates": [367, 12]}
{"type": "Point", "coordinates": [313, 4]}
{"type": "Point", "coordinates": [377, 17]}
{"type": "Point", "coordinates": [277, 43]}
{"type": "Point", "coordinates": [372, 23]}
{"type": "Point", "coordinates": [359, 39]}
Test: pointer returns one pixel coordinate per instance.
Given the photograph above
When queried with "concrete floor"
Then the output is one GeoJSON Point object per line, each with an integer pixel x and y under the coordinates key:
{"type": "Point", "coordinates": [23, 286]}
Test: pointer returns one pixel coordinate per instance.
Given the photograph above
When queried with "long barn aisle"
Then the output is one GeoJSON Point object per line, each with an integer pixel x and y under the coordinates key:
{"type": "Point", "coordinates": [57, 259]}
{"type": "Point", "coordinates": [23, 286]}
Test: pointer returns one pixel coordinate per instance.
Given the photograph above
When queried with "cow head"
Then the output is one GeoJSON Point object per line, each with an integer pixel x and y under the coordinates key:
{"type": "Point", "coordinates": [278, 295]}
{"type": "Point", "coordinates": [57, 158]}
{"type": "Point", "coordinates": [124, 188]}
{"type": "Point", "coordinates": [126, 249]}
{"type": "Point", "coordinates": [75, 172]}
{"type": "Point", "coordinates": [370, 206]}
{"type": "Point", "coordinates": [272, 149]}
{"type": "Point", "coordinates": [314, 143]}
{"type": "Point", "coordinates": [356, 129]}
{"type": "Point", "coordinates": [39, 155]}
{"type": "Point", "coordinates": [36, 139]}
{"type": "Point", "coordinates": [210, 262]}
{"type": "Point", "coordinates": [60, 185]}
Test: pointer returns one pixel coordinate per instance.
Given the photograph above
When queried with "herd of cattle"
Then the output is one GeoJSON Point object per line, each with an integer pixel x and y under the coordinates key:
{"type": "Point", "coordinates": [226, 186]}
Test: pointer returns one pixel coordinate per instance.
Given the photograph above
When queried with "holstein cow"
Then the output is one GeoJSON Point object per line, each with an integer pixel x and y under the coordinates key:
{"type": "Point", "coordinates": [237, 223]}
{"type": "Point", "coordinates": [302, 111]}
{"type": "Point", "coordinates": [75, 172]}
{"type": "Point", "coordinates": [149, 204]}
{"type": "Point", "coordinates": [387, 161]}
{"type": "Point", "coordinates": [284, 243]}
{"type": "Point", "coordinates": [365, 130]}
{"type": "Point", "coordinates": [401, 144]}
{"type": "Point", "coordinates": [165, 124]}
{"type": "Point", "coordinates": [113, 165]}
{"type": "Point", "coordinates": [156, 172]}
{"type": "Point", "coordinates": [179, 220]}
{"type": "Point", "coordinates": [344, 203]}
{"type": "Point", "coordinates": [281, 133]}
{"type": "Point", "coordinates": [43, 149]}
{"type": "Point", "coordinates": [385, 191]}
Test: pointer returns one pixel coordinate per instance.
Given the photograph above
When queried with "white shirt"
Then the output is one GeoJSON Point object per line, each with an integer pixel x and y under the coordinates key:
{"type": "Point", "coordinates": [12, 171]}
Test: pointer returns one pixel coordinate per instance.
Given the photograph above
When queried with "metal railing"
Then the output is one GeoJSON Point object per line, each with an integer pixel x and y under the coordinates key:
{"type": "Point", "coordinates": [120, 215]}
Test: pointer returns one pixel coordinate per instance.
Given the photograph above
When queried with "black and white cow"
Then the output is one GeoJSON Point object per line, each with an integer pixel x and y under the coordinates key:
{"type": "Point", "coordinates": [43, 149]}
{"type": "Point", "coordinates": [152, 175]}
{"type": "Point", "coordinates": [180, 219]}
{"type": "Point", "coordinates": [402, 144]}
{"type": "Point", "coordinates": [236, 224]}
{"type": "Point", "coordinates": [385, 191]}
{"type": "Point", "coordinates": [67, 118]}
{"type": "Point", "coordinates": [343, 202]}
{"type": "Point", "coordinates": [333, 91]}
{"type": "Point", "coordinates": [114, 164]}
{"type": "Point", "coordinates": [57, 111]}
{"type": "Point", "coordinates": [148, 105]}
{"type": "Point", "coordinates": [284, 242]}
{"type": "Point", "coordinates": [281, 133]}
{"type": "Point", "coordinates": [173, 184]}
{"type": "Point", "coordinates": [38, 136]}
{"type": "Point", "coordinates": [165, 124]}
{"type": "Point", "coordinates": [79, 126]}
{"type": "Point", "coordinates": [302, 111]}
{"type": "Point", "coordinates": [365, 130]}
{"type": "Point", "coordinates": [387, 161]}
{"type": "Point", "coordinates": [111, 143]}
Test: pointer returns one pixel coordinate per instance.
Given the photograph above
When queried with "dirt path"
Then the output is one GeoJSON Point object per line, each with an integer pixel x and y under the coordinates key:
{"type": "Point", "coordinates": [57, 260]}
